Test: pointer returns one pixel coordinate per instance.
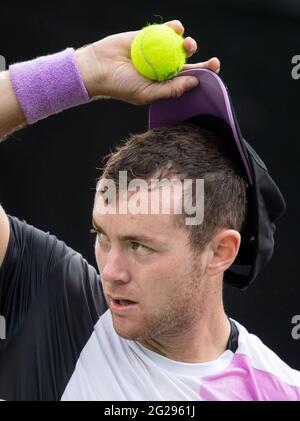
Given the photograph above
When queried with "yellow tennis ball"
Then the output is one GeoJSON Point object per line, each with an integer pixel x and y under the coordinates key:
{"type": "Point", "coordinates": [157, 52]}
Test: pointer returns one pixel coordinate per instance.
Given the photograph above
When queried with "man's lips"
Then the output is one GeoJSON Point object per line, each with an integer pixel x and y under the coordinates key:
{"type": "Point", "coordinates": [120, 304]}
{"type": "Point", "coordinates": [120, 298]}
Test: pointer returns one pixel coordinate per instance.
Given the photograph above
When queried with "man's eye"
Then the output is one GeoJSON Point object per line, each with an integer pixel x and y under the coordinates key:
{"type": "Point", "coordinates": [141, 248]}
{"type": "Point", "coordinates": [93, 231]}
{"type": "Point", "coordinates": [99, 234]}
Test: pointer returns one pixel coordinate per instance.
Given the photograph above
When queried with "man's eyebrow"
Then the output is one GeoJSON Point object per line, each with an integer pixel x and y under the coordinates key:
{"type": "Point", "coordinates": [143, 238]}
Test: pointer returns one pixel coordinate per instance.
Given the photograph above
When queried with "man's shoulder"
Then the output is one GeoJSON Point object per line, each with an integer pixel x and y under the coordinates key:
{"type": "Point", "coordinates": [42, 256]}
{"type": "Point", "coordinates": [44, 244]}
{"type": "Point", "coordinates": [275, 378]}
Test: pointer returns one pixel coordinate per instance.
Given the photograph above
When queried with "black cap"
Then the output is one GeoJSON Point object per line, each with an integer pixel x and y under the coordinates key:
{"type": "Point", "coordinates": [209, 106]}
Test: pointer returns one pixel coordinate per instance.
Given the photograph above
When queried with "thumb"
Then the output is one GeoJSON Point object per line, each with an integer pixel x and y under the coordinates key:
{"type": "Point", "coordinates": [173, 88]}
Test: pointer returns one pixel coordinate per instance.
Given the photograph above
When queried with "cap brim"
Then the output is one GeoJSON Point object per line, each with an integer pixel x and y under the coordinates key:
{"type": "Point", "coordinates": [210, 97]}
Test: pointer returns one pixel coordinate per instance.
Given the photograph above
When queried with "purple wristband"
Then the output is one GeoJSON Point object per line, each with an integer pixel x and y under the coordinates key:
{"type": "Point", "coordinates": [48, 85]}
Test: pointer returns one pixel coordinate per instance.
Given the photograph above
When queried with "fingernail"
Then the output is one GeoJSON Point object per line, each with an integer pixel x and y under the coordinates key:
{"type": "Point", "coordinates": [177, 22]}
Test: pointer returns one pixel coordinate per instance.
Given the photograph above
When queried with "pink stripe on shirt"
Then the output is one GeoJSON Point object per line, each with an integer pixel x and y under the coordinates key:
{"type": "Point", "coordinates": [240, 381]}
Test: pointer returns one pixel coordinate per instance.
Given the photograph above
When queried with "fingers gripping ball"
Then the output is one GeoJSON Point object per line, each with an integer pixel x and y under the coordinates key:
{"type": "Point", "coordinates": [157, 52]}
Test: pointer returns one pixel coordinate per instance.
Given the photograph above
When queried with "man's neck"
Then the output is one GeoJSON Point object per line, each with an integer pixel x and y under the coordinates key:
{"type": "Point", "coordinates": [204, 342]}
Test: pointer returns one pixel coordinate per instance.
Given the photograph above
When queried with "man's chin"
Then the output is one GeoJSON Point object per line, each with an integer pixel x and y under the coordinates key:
{"type": "Point", "coordinates": [126, 329]}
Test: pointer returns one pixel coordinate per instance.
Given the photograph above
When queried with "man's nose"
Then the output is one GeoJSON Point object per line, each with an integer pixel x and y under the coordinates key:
{"type": "Point", "coordinates": [115, 268]}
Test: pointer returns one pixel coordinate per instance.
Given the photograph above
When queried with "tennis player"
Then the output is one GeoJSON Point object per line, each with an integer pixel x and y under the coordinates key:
{"type": "Point", "coordinates": [149, 324]}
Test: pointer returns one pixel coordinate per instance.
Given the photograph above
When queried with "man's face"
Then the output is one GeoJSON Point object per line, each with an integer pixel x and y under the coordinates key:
{"type": "Point", "coordinates": [146, 259]}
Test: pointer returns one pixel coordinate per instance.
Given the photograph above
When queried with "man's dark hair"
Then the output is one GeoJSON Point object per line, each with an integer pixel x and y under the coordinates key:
{"type": "Point", "coordinates": [189, 151]}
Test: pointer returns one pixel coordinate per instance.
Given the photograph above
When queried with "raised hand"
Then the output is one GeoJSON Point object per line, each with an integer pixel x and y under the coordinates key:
{"type": "Point", "coordinates": [108, 71]}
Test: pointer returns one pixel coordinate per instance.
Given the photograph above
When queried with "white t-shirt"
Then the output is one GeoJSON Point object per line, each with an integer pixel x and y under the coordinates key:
{"type": "Point", "coordinates": [113, 368]}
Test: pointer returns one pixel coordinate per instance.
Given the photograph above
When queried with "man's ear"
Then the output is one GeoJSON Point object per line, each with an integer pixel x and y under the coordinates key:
{"type": "Point", "coordinates": [224, 247]}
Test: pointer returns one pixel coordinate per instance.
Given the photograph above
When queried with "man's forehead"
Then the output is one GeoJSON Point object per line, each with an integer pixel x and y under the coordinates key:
{"type": "Point", "coordinates": [157, 197]}
{"type": "Point", "coordinates": [144, 223]}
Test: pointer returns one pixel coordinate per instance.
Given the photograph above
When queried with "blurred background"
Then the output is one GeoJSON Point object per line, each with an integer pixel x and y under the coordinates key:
{"type": "Point", "coordinates": [48, 171]}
